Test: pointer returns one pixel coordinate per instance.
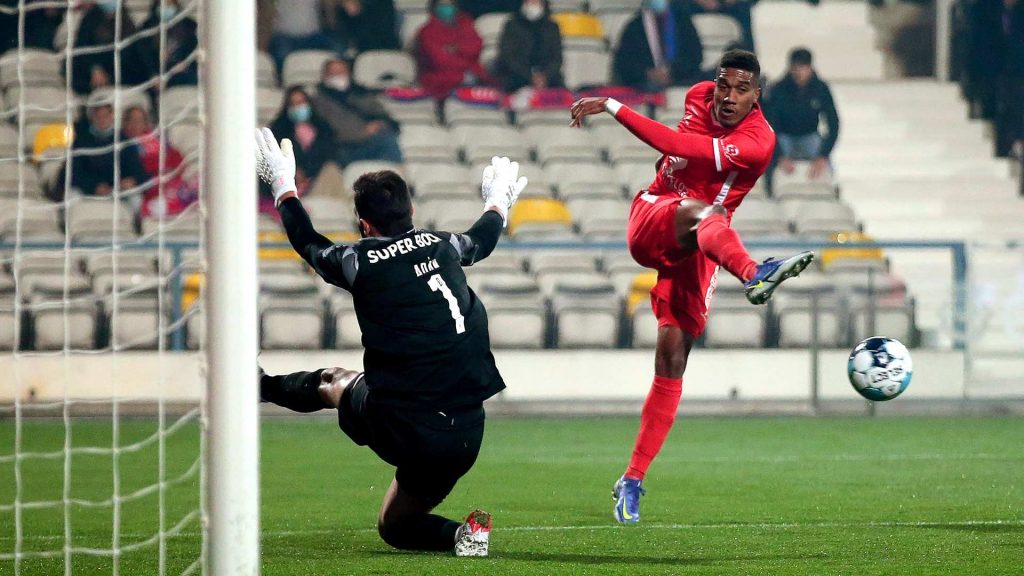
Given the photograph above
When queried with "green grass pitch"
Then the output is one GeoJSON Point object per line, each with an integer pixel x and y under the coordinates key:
{"type": "Point", "coordinates": [774, 496]}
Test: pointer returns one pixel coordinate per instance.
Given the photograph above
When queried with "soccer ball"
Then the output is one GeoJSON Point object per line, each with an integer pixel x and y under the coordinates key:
{"type": "Point", "coordinates": [880, 368]}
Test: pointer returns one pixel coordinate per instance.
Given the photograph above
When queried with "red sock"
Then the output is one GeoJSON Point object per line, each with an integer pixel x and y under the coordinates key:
{"type": "Point", "coordinates": [656, 420]}
{"type": "Point", "coordinates": [723, 246]}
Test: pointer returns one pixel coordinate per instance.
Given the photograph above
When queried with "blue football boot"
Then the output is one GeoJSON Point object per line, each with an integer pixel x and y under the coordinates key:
{"type": "Point", "coordinates": [627, 493]}
{"type": "Point", "coordinates": [771, 273]}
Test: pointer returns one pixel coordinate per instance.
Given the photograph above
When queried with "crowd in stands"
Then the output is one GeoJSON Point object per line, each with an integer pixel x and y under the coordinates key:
{"type": "Point", "coordinates": [510, 55]}
{"type": "Point", "coordinates": [988, 60]}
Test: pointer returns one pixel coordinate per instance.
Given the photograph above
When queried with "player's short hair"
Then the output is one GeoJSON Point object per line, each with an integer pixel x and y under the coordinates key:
{"type": "Point", "coordinates": [800, 56]}
{"type": "Point", "coordinates": [741, 60]}
{"type": "Point", "coordinates": [382, 199]}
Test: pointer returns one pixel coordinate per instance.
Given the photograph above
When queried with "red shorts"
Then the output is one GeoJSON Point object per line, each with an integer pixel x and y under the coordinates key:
{"type": "Point", "coordinates": [686, 278]}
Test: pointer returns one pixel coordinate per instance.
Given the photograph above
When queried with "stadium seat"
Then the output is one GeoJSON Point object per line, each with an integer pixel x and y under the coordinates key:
{"type": "Point", "coordinates": [426, 144]}
{"type": "Point", "coordinates": [411, 24]}
{"type": "Point", "coordinates": [498, 262]}
{"type": "Point", "coordinates": [558, 117]}
{"type": "Point", "coordinates": [457, 113]}
{"type": "Point", "coordinates": [56, 325]}
{"type": "Point", "coordinates": [717, 33]}
{"type": "Point", "coordinates": [52, 140]}
{"type": "Point", "coordinates": [587, 312]}
{"type": "Point", "coordinates": [489, 26]}
{"type": "Point", "coordinates": [10, 338]}
{"type": "Point", "coordinates": [644, 327]}
{"type": "Point", "coordinates": [195, 328]}
{"type": "Point", "coordinates": [347, 333]}
{"type": "Point", "coordinates": [410, 7]}
{"type": "Point", "coordinates": [331, 214]}
{"type": "Point", "coordinates": [510, 288]}
{"type": "Point", "coordinates": [635, 175]}
{"type": "Point", "coordinates": [894, 319]}
{"type": "Point", "coordinates": [412, 112]}
{"type": "Point", "coordinates": [539, 215]}
{"type": "Point", "coordinates": [304, 67]}
{"type": "Point", "coordinates": [798, 184]}
{"type": "Point", "coordinates": [623, 147]}
{"type": "Point", "coordinates": [675, 100]}
{"type": "Point", "coordinates": [580, 31]}
{"type": "Point", "coordinates": [795, 317]}
{"type": "Point", "coordinates": [614, 6]}
{"type": "Point", "coordinates": [39, 68]}
{"type": "Point", "coordinates": [268, 104]}
{"type": "Point", "coordinates": [734, 323]}
{"type": "Point", "coordinates": [542, 262]}
{"type": "Point", "coordinates": [181, 103]}
{"type": "Point", "coordinates": [11, 173]}
{"type": "Point", "coordinates": [758, 217]}
{"type": "Point", "coordinates": [554, 143]}
{"type": "Point", "coordinates": [442, 180]}
{"type": "Point", "coordinates": [134, 261]}
{"type": "Point", "coordinates": [868, 281]}
{"type": "Point", "coordinates": [89, 218]}
{"type": "Point", "coordinates": [266, 75]}
{"type": "Point", "coordinates": [8, 141]}
{"type": "Point", "coordinates": [585, 68]}
{"type": "Point", "coordinates": [819, 218]}
{"type": "Point", "coordinates": [37, 220]}
{"type": "Point", "coordinates": [296, 284]}
{"type": "Point", "coordinates": [135, 325]}
{"type": "Point", "coordinates": [566, 5]}
{"type": "Point", "coordinates": [186, 137]}
{"type": "Point", "coordinates": [127, 283]}
{"type": "Point", "coordinates": [120, 100]}
{"type": "Point", "coordinates": [291, 324]}
{"type": "Point", "coordinates": [185, 226]}
{"type": "Point", "coordinates": [43, 105]}
{"type": "Point", "coordinates": [871, 257]}
{"type": "Point", "coordinates": [600, 217]}
{"type": "Point", "coordinates": [613, 23]}
{"type": "Point", "coordinates": [449, 214]}
{"type": "Point", "coordinates": [380, 69]}
{"type": "Point", "coordinates": [583, 180]}
{"type": "Point", "coordinates": [516, 327]}
{"type": "Point", "coordinates": [480, 143]}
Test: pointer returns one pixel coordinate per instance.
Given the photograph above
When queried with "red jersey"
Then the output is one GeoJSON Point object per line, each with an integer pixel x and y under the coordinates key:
{"type": "Point", "coordinates": [703, 159]}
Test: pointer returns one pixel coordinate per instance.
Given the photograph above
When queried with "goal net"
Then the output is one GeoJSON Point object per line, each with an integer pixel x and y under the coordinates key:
{"type": "Point", "coordinates": [116, 421]}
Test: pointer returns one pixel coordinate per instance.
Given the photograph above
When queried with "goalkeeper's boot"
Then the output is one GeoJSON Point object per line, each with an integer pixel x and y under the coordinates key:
{"type": "Point", "coordinates": [771, 273]}
{"type": "Point", "coordinates": [472, 538]}
{"type": "Point", "coordinates": [627, 493]}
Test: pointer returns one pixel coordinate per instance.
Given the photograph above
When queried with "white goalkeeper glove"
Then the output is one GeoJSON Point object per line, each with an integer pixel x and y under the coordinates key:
{"type": "Point", "coordinates": [275, 164]}
{"type": "Point", "coordinates": [501, 186]}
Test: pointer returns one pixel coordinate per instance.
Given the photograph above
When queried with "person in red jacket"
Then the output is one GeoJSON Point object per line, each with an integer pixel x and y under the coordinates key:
{"type": "Point", "coordinates": [177, 191]}
{"type": "Point", "coordinates": [448, 51]}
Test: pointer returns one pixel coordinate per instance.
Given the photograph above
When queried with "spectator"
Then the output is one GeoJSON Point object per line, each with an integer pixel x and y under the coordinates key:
{"type": "Point", "coordinates": [92, 166]}
{"type": "Point", "coordinates": [795, 107]}
{"type": "Point", "coordinates": [181, 42]}
{"type": "Point", "coordinates": [96, 69]}
{"type": "Point", "coordinates": [312, 137]}
{"type": "Point", "coordinates": [739, 10]}
{"type": "Point", "coordinates": [673, 58]}
{"type": "Point", "coordinates": [362, 128]}
{"type": "Point", "coordinates": [360, 25]}
{"type": "Point", "coordinates": [530, 49]}
{"type": "Point", "coordinates": [41, 23]}
{"type": "Point", "coordinates": [297, 25]}
{"type": "Point", "coordinates": [448, 51]}
{"type": "Point", "coordinates": [1009, 121]}
{"type": "Point", "coordinates": [176, 193]}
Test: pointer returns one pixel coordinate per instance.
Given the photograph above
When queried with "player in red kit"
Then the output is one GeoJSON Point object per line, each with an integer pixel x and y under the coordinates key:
{"type": "Point", "coordinates": [680, 227]}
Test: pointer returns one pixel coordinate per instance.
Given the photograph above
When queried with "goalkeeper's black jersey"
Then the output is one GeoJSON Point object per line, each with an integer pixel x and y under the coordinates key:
{"type": "Point", "coordinates": [424, 330]}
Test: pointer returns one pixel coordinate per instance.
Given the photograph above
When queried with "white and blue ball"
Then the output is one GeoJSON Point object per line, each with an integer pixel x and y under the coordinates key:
{"type": "Point", "coordinates": [880, 368]}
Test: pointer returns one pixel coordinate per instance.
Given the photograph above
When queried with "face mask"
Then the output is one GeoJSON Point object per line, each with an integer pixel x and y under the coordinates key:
{"type": "Point", "coordinates": [168, 12]}
{"type": "Point", "coordinates": [102, 132]}
{"type": "Point", "coordinates": [658, 6]}
{"type": "Point", "coordinates": [533, 12]}
{"type": "Point", "coordinates": [300, 113]}
{"type": "Point", "coordinates": [339, 83]}
{"type": "Point", "coordinates": [108, 6]}
{"type": "Point", "coordinates": [446, 12]}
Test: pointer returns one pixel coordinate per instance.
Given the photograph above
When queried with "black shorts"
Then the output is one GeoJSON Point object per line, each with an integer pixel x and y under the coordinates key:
{"type": "Point", "coordinates": [430, 450]}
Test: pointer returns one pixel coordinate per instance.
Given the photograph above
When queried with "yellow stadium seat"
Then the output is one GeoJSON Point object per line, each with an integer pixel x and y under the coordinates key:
{"type": "Point", "coordinates": [829, 255]}
{"type": "Point", "coordinates": [640, 290]}
{"type": "Point", "coordinates": [52, 137]}
{"type": "Point", "coordinates": [578, 25]}
{"type": "Point", "coordinates": [191, 285]}
{"type": "Point", "coordinates": [538, 211]}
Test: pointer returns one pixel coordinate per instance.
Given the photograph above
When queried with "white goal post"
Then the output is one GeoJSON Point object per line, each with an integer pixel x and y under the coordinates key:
{"type": "Point", "coordinates": [232, 495]}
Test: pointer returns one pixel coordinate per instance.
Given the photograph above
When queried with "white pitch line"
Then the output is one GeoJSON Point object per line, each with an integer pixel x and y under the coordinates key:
{"type": "Point", "coordinates": [613, 526]}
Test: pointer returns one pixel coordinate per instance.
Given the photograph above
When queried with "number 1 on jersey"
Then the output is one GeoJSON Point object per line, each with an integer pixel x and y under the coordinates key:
{"type": "Point", "coordinates": [437, 284]}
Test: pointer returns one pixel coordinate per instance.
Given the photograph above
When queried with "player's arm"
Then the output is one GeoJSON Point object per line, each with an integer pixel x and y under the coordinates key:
{"type": "Point", "coordinates": [500, 187]}
{"type": "Point", "coordinates": [275, 164]}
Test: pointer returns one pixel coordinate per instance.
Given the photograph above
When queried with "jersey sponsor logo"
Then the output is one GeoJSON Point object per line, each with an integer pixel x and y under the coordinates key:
{"type": "Point", "coordinates": [402, 246]}
{"type": "Point", "coordinates": [424, 267]}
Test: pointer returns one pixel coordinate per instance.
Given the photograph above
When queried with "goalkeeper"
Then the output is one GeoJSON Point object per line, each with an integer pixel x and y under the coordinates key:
{"type": "Point", "coordinates": [428, 362]}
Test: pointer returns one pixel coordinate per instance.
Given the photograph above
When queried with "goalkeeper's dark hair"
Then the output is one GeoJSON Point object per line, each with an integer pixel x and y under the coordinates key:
{"type": "Point", "coordinates": [741, 60]}
{"type": "Point", "coordinates": [382, 199]}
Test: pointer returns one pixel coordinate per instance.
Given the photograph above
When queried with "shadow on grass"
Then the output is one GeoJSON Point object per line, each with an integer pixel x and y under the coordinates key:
{"type": "Point", "coordinates": [983, 528]}
{"type": "Point", "coordinates": [603, 559]}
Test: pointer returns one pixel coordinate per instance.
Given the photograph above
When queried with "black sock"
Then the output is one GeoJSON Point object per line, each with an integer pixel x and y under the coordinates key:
{"type": "Point", "coordinates": [422, 532]}
{"type": "Point", "coordinates": [298, 391]}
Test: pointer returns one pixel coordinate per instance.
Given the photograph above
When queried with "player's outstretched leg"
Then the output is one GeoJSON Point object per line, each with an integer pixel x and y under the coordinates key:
{"type": "Point", "coordinates": [406, 523]}
{"type": "Point", "coordinates": [707, 226]}
{"type": "Point", "coordinates": [307, 391]}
